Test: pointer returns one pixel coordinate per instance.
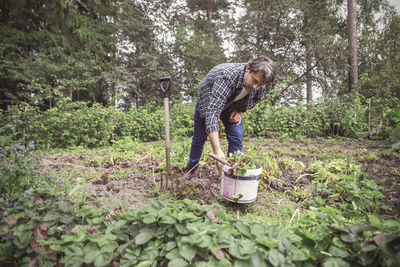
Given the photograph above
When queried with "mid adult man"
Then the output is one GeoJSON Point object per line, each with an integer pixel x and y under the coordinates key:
{"type": "Point", "coordinates": [225, 93]}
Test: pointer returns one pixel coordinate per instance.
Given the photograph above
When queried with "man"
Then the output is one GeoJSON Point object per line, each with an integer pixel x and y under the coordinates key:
{"type": "Point", "coordinates": [226, 92]}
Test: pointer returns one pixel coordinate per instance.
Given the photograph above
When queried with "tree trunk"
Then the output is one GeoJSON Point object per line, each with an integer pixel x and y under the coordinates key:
{"type": "Point", "coordinates": [307, 52]}
{"type": "Point", "coordinates": [352, 39]}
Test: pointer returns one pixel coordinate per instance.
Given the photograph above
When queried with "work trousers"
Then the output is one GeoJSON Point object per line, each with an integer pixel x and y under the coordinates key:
{"type": "Point", "coordinates": [234, 135]}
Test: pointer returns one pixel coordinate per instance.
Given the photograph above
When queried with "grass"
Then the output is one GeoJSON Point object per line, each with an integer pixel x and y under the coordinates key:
{"type": "Point", "coordinates": [283, 154]}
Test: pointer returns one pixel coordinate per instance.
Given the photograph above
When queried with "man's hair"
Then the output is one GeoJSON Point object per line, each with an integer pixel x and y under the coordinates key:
{"type": "Point", "coordinates": [266, 66]}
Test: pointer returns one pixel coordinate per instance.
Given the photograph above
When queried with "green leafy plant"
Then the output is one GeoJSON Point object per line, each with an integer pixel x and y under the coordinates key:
{"type": "Point", "coordinates": [47, 228]}
{"type": "Point", "coordinates": [242, 162]}
{"type": "Point", "coordinates": [343, 183]}
{"type": "Point", "coordinates": [17, 168]}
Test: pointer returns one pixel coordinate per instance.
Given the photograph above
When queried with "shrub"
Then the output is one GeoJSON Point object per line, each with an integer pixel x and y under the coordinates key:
{"type": "Point", "coordinates": [17, 168]}
{"type": "Point", "coordinates": [76, 124]}
{"type": "Point", "coordinates": [345, 117]}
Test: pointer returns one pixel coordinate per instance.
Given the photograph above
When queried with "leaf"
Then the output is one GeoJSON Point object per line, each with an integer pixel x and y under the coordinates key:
{"type": "Point", "coordinates": [142, 238]}
{"type": "Point", "coordinates": [23, 240]}
{"type": "Point", "coordinates": [267, 242]}
{"type": "Point", "coordinates": [206, 241]}
{"type": "Point", "coordinates": [11, 221]}
{"type": "Point", "coordinates": [173, 254]}
{"type": "Point", "coordinates": [379, 238]}
{"type": "Point", "coordinates": [177, 262]}
{"type": "Point", "coordinates": [391, 224]}
{"type": "Point", "coordinates": [39, 201]}
{"type": "Point", "coordinates": [77, 227]}
{"type": "Point", "coordinates": [276, 258]}
{"type": "Point", "coordinates": [39, 235]}
{"type": "Point", "coordinates": [181, 229]}
{"type": "Point", "coordinates": [218, 253]}
{"type": "Point", "coordinates": [128, 259]}
{"type": "Point", "coordinates": [284, 245]}
{"type": "Point", "coordinates": [149, 219]}
{"type": "Point", "coordinates": [188, 252]}
{"type": "Point", "coordinates": [81, 233]}
{"type": "Point", "coordinates": [235, 251]}
{"type": "Point", "coordinates": [167, 220]}
{"type": "Point", "coordinates": [375, 221]}
{"type": "Point", "coordinates": [237, 198]}
{"type": "Point", "coordinates": [67, 218]}
{"type": "Point", "coordinates": [109, 248]}
{"type": "Point", "coordinates": [74, 250]}
{"type": "Point", "coordinates": [357, 228]}
{"type": "Point", "coordinates": [297, 254]}
{"type": "Point", "coordinates": [258, 260]}
{"type": "Point", "coordinates": [334, 262]}
{"type": "Point", "coordinates": [338, 252]}
{"type": "Point", "coordinates": [257, 229]}
{"type": "Point", "coordinates": [6, 249]}
{"type": "Point", "coordinates": [90, 252]}
{"type": "Point", "coordinates": [369, 248]}
{"type": "Point", "coordinates": [170, 245]}
{"type": "Point", "coordinates": [247, 247]}
{"type": "Point", "coordinates": [73, 261]}
{"type": "Point", "coordinates": [101, 239]}
{"type": "Point", "coordinates": [349, 237]}
{"type": "Point", "coordinates": [197, 213]}
{"type": "Point", "coordinates": [244, 229]}
{"type": "Point", "coordinates": [64, 206]}
{"type": "Point", "coordinates": [226, 230]}
{"type": "Point", "coordinates": [44, 227]}
{"type": "Point", "coordinates": [103, 259]}
{"type": "Point", "coordinates": [369, 253]}
{"type": "Point", "coordinates": [85, 210]}
{"type": "Point", "coordinates": [146, 263]}
{"type": "Point", "coordinates": [212, 217]}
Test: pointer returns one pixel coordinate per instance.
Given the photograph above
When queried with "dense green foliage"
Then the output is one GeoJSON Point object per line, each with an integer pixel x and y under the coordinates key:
{"type": "Point", "coordinates": [76, 124]}
{"type": "Point", "coordinates": [345, 117]}
{"type": "Point", "coordinates": [54, 48]}
{"type": "Point", "coordinates": [17, 168]}
{"type": "Point", "coordinates": [179, 233]}
{"type": "Point", "coordinates": [80, 124]}
{"type": "Point", "coordinates": [114, 51]}
{"type": "Point", "coordinates": [43, 221]}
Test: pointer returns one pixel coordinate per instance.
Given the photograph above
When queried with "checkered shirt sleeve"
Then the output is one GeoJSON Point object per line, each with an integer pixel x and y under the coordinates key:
{"type": "Point", "coordinates": [218, 90]}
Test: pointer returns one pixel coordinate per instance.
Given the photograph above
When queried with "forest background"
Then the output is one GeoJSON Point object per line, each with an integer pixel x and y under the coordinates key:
{"type": "Point", "coordinates": [114, 52]}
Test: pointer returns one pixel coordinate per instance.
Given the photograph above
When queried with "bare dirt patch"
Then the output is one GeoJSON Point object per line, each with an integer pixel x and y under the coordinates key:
{"type": "Point", "coordinates": [141, 180]}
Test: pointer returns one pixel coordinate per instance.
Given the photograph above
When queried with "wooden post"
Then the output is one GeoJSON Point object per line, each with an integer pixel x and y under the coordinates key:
{"type": "Point", "coordinates": [167, 142]}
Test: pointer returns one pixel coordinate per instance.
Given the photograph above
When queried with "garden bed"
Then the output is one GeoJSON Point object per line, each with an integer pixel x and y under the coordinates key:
{"type": "Point", "coordinates": [139, 180]}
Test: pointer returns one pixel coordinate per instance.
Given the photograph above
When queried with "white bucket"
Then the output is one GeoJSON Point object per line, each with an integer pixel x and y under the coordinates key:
{"type": "Point", "coordinates": [240, 189]}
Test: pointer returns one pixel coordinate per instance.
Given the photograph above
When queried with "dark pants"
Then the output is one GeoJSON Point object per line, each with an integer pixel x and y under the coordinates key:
{"type": "Point", "coordinates": [234, 134]}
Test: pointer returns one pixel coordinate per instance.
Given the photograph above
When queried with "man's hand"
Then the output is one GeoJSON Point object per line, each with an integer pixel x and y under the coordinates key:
{"type": "Point", "coordinates": [236, 117]}
{"type": "Point", "coordinates": [217, 163]}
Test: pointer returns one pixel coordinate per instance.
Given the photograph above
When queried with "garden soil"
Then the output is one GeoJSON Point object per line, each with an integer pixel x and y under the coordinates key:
{"type": "Point", "coordinates": [142, 181]}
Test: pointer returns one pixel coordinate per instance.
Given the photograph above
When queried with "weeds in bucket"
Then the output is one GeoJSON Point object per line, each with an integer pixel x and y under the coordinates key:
{"type": "Point", "coordinates": [242, 162]}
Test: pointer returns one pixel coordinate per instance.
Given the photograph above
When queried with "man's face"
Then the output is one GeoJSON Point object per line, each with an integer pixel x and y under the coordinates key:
{"type": "Point", "coordinates": [252, 80]}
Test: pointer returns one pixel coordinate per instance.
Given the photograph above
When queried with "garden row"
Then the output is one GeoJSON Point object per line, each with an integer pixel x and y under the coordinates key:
{"type": "Point", "coordinates": [43, 223]}
{"type": "Point", "coordinates": [43, 229]}
{"type": "Point", "coordinates": [78, 124]}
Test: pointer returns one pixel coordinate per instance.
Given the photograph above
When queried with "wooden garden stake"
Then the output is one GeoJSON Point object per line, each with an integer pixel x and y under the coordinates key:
{"type": "Point", "coordinates": [166, 124]}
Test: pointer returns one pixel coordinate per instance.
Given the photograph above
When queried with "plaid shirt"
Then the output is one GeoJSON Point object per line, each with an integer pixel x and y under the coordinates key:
{"type": "Point", "coordinates": [218, 90]}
